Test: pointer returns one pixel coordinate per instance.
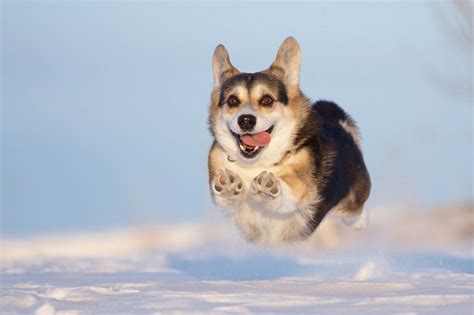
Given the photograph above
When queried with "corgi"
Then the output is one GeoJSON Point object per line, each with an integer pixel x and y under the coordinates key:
{"type": "Point", "coordinates": [279, 164]}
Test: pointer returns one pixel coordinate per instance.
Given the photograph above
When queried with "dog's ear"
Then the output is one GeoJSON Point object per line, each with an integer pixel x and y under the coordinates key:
{"type": "Point", "coordinates": [221, 66]}
{"type": "Point", "coordinates": [287, 63]}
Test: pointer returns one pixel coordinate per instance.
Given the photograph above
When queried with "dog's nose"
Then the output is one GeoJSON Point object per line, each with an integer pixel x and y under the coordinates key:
{"type": "Point", "coordinates": [247, 122]}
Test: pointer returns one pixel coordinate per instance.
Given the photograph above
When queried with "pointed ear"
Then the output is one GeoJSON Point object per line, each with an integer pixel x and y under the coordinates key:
{"type": "Point", "coordinates": [287, 63]}
{"type": "Point", "coordinates": [221, 66]}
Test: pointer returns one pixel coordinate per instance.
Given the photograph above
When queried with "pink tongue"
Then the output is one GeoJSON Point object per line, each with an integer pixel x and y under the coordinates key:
{"type": "Point", "coordinates": [260, 139]}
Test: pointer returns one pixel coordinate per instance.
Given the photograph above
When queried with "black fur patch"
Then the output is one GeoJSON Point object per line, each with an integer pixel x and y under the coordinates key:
{"type": "Point", "coordinates": [329, 111]}
{"type": "Point", "coordinates": [249, 80]}
{"type": "Point", "coordinates": [339, 165]}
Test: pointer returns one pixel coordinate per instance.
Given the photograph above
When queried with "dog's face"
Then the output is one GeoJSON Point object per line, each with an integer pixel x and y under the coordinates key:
{"type": "Point", "coordinates": [254, 115]}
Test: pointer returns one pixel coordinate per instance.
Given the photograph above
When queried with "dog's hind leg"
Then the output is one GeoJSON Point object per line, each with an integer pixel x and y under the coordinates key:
{"type": "Point", "coordinates": [352, 211]}
{"type": "Point", "coordinates": [357, 222]}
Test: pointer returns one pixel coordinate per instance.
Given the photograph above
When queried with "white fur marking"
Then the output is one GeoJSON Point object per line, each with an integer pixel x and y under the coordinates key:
{"type": "Point", "coordinates": [353, 130]}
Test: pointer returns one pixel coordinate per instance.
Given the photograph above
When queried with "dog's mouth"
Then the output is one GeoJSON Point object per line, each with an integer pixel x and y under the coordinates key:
{"type": "Point", "coordinates": [250, 144]}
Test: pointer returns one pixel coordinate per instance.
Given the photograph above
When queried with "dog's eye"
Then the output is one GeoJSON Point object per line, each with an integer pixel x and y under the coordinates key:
{"type": "Point", "coordinates": [267, 100]}
{"type": "Point", "coordinates": [233, 101]}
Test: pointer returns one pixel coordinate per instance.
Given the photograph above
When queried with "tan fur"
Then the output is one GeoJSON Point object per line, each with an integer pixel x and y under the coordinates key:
{"type": "Point", "coordinates": [298, 175]}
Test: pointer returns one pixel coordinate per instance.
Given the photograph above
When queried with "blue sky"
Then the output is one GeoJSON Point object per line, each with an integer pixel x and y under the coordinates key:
{"type": "Point", "coordinates": [104, 104]}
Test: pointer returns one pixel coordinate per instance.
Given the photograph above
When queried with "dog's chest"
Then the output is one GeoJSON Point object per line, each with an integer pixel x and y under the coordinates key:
{"type": "Point", "coordinates": [245, 173]}
{"type": "Point", "coordinates": [248, 173]}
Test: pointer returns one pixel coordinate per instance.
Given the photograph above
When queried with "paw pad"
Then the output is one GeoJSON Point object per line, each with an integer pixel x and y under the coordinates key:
{"type": "Point", "coordinates": [266, 184]}
{"type": "Point", "coordinates": [227, 183]}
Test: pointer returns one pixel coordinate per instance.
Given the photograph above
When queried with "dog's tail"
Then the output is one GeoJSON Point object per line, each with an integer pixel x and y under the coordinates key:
{"type": "Point", "coordinates": [333, 115]}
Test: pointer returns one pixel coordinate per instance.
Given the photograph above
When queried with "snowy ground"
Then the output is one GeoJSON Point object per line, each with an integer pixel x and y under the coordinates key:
{"type": "Point", "coordinates": [402, 264]}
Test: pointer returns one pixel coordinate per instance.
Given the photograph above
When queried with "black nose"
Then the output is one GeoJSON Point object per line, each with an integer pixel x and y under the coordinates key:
{"type": "Point", "coordinates": [247, 122]}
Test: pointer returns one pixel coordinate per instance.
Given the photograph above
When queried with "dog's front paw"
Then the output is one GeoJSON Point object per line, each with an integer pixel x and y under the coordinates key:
{"type": "Point", "coordinates": [228, 188]}
{"type": "Point", "coordinates": [266, 186]}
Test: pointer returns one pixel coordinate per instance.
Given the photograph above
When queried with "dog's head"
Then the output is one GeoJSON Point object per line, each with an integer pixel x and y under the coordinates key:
{"type": "Point", "coordinates": [254, 116]}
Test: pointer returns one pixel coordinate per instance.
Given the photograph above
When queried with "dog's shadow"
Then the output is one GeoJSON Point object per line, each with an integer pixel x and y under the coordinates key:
{"type": "Point", "coordinates": [250, 268]}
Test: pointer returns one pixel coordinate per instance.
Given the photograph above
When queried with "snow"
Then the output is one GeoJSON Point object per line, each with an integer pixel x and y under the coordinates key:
{"type": "Point", "coordinates": [205, 267]}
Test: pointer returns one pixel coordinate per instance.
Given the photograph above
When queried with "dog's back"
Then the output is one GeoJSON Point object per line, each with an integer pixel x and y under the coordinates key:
{"type": "Point", "coordinates": [341, 173]}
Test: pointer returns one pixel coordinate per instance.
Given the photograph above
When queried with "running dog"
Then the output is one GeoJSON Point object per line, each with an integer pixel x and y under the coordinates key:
{"type": "Point", "coordinates": [278, 164]}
